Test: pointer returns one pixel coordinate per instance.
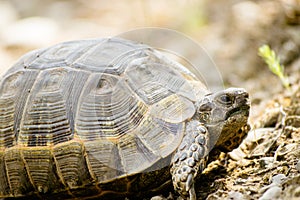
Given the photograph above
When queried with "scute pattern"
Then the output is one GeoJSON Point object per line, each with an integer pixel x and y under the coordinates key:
{"type": "Point", "coordinates": [125, 53]}
{"type": "Point", "coordinates": [71, 164]}
{"type": "Point", "coordinates": [173, 109]}
{"type": "Point", "coordinates": [4, 186]}
{"type": "Point", "coordinates": [13, 95]}
{"type": "Point", "coordinates": [108, 109]}
{"type": "Point", "coordinates": [159, 136]}
{"type": "Point", "coordinates": [16, 174]}
{"type": "Point", "coordinates": [135, 155]}
{"type": "Point", "coordinates": [158, 82]}
{"type": "Point", "coordinates": [62, 54]}
{"type": "Point", "coordinates": [46, 120]}
{"type": "Point", "coordinates": [39, 166]}
{"type": "Point", "coordinates": [106, 165]}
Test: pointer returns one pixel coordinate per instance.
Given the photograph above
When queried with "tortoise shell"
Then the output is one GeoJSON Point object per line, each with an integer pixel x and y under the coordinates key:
{"type": "Point", "coordinates": [83, 118]}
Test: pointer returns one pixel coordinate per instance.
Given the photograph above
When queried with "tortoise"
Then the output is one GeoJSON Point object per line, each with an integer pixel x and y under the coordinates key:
{"type": "Point", "coordinates": [109, 118]}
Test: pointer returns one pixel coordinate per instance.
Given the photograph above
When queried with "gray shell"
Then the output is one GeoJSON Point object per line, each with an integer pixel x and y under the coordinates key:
{"type": "Point", "coordinates": [91, 111]}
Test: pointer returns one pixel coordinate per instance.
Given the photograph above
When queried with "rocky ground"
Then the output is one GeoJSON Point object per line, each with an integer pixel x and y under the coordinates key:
{"type": "Point", "coordinates": [266, 165]}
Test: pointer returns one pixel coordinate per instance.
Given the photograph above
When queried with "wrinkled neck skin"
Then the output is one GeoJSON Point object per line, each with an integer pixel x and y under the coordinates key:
{"type": "Point", "coordinates": [214, 131]}
{"type": "Point", "coordinates": [226, 136]}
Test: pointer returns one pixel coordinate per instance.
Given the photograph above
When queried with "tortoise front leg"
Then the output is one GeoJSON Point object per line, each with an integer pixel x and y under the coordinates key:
{"type": "Point", "coordinates": [189, 159]}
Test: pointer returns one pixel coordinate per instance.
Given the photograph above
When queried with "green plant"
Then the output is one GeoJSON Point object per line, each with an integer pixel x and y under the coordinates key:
{"type": "Point", "coordinates": [273, 62]}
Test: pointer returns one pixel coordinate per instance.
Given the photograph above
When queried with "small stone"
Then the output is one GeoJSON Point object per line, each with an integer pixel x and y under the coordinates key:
{"type": "Point", "coordinates": [237, 154]}
{"type": "Point", "coordinates": [271, 193]}
{"type": "Point", "coordinates": [278, 179]}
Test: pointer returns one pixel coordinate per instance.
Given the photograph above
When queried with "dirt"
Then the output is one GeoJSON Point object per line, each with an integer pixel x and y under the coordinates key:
{"type": "Point", "coordinates": [266, 165]}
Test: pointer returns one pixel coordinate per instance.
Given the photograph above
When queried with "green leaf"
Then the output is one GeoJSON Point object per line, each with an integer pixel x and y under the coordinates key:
{"type": "Point", "coordinates": [273, 62]}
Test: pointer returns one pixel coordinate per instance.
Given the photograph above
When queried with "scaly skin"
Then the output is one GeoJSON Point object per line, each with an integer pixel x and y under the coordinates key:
{"type": "Point", "coordinates": [189, 159]}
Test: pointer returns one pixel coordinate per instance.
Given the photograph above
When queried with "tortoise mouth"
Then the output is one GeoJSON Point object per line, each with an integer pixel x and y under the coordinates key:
{"type": "Point", "coordinates": [241, 110]}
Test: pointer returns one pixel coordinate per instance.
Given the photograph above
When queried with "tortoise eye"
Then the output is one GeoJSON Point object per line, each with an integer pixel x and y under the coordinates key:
{"type": "Point", "coordinates": [226, 99]}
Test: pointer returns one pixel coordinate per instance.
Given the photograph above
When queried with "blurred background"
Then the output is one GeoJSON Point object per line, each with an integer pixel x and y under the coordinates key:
{"type": "Point", "coordinates": [229, 30]}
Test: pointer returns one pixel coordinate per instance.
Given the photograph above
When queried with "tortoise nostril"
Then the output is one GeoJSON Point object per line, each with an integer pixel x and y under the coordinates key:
{"type": "Point", "coordinates": [241, 100]}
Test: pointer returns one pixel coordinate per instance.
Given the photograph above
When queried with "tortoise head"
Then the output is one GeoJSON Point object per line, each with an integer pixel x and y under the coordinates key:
{"type": "Point", "coordinates": [225, 115]}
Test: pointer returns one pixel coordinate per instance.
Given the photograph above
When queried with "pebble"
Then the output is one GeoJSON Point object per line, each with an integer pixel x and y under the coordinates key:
{"type": "Point", "coordinates": [278, 179]}
{"type": "Point", "coordinates": [237, 154]}
{"type": "Point", "coordinates": [271, 194]}
{"type": "Point", "coordinates": [273, 190]}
